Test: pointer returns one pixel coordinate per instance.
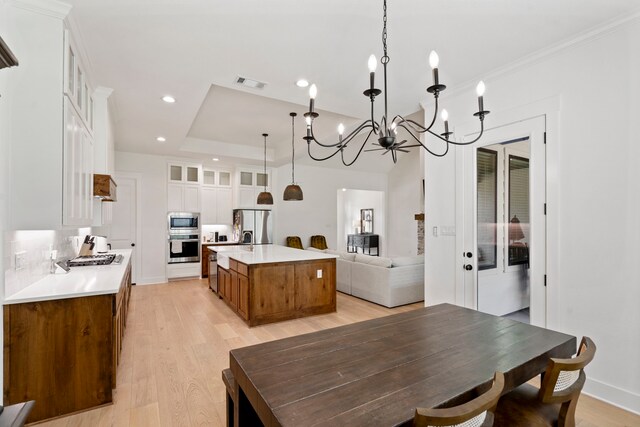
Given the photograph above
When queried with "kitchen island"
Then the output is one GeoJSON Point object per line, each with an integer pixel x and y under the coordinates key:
{"type": "Point", "coordinates": [63, 337]}
{"type": "Point", "coordinates": [272, 283]}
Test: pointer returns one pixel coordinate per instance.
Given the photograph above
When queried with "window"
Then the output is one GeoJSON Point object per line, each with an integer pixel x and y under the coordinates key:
{"type": "Point", "coordinates": [487, 208]}
{"type": "Point", "coordinates": [518, 210]}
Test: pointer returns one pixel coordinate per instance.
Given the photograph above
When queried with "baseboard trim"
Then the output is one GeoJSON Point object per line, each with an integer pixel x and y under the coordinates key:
{"type": "Point", "coordinates": [623, 399]}
{"type": "Point", "coordinates": [152, 280]}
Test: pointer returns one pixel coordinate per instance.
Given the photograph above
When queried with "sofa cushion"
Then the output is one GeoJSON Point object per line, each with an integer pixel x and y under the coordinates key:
{"type": "Point", "coordinates": [374, 260]}
{"type": "Point", "coordinates": [311, 248]}
{"type": "Point", "coordinates": [343, 255]}
{"type": "Point", "coordinates": [407, 260]}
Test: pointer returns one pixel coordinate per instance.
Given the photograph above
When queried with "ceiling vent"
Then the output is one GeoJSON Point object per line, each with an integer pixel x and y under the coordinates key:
{"type": "Point", "coordinates": [253, 84]}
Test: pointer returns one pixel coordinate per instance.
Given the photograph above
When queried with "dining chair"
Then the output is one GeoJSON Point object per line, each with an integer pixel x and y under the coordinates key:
{"type": "Point", "coordinates": [294, 242]}
{"type": "Point", "coordinates": [554, 403]}
{"type": "Point", "coordinates": [319, 242]}
{"type": "Point", "coordinates": [475, 413]}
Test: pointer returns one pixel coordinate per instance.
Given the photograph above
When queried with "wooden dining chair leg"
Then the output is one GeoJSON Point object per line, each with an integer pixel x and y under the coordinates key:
{"type": "Point", "coordinates": [567, 416]}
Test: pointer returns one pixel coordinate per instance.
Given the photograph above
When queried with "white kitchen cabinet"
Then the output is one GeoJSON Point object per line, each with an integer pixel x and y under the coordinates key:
{"type": "Point", "coordinates": [225, 206]}
{"type": "Point", "coordinates": [50, 157]}
{"type": "Point", "coordinates": [250, 183]}
{"type": "Point", "coordinates": [77, 197]}
{"type": "Point", "coordinates": [183, 198]}
{"type": "Point", "coordinates": [191, 198]}
{"type": "Point", "coordinates": [217, 206]}
{"type": "Point", "coordinates": [184, 173]}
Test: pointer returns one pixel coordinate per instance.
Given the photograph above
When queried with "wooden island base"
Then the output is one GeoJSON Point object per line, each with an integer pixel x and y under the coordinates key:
{"type": "Point", "coordinates": [272, 292]}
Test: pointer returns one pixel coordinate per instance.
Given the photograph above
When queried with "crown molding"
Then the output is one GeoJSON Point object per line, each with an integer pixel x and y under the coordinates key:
{"type": "Point", "coordinates": [582, 38]}
{"type": "Point", "coordinates": [52, 8]}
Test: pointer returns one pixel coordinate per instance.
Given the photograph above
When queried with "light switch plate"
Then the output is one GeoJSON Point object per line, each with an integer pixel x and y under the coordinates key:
{"type": "Point", "coordinates": [20, 260]}
{"type": "Point", "coordinates": [319, 274]}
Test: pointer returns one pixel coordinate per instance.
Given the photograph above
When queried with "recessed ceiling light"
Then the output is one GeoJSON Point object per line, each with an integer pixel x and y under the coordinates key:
{"type": "Point", "coordinates": [168, 99]}
{"type": "Point", "coordinates": [302, 83]}
{"type": "Point", "coordinates": [215, 159]}
{"type": "Point", "coordinates": [344, 189]}
{"type": "Point", "coordinates": [161, 139]}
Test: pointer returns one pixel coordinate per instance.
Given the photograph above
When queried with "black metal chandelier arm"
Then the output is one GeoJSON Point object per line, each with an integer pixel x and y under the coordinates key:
{"type": "Point", "coordinates": [345, 140]}
{"type": "Point", "coordinates": [318, 159]}
{"type": "Point", "coordinates": [359, 151]}
{"type": "Point", "coordinates": [472, 141]}
{"type": "Point", "coordinates": [415, 126]}
{"type": "Point", "coordinates": [420, 144]}
{"type": "Point", "coordinates": [435, 112]}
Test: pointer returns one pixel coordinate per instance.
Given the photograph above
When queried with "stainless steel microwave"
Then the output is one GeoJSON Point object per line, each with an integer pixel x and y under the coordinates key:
{"type": "Point", "coordinates": [183, 222]}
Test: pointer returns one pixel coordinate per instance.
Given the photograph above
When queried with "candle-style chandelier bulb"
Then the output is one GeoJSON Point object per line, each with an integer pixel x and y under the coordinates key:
{"type": "Point", "coordinates": [480, 89]}
{"type": "Point", "coordinates": [308, 120]}
{"type": "Point", "coordinates": [373, 64]}
{"type": "Point", "coordinates": [340, 129]}
{"type": "Point", "coordinates": [444, 115]}
{"type": "Point", "coordinates": [434, 60]}
{"type": "Point", "coordinates": [313, 91]}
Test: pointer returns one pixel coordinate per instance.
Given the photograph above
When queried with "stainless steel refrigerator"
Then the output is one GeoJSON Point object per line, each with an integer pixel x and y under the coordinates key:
{"type": "Point", "coordinates": [258, 222]}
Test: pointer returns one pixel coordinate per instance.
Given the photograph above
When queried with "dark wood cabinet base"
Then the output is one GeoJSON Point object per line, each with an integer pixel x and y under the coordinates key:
{"type": "Point", "coordinates": [273, 292]}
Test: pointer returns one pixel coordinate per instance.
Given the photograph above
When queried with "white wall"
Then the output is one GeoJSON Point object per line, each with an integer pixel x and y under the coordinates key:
{"type": "Point", "coordinates": [316, 214]}
{"type": "Point", "coordinates": [153, 258]}
{"type": "Point", "coordinates": [404, 201]}
{"type": "Point", "coordinates": [593, 196]}
{"type": "Point", "coordinates": [350, 202]}
{"type": "Point", "coordinates": [404, 198]}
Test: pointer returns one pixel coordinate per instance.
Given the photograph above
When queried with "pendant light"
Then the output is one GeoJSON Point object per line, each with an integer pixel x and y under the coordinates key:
{"type": "Point", "coordinates": [265, 198]}
{"type": "Point", "coordinates": [293, 191]}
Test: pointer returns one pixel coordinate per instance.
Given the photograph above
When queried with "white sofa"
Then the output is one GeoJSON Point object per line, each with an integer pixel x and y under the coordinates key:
{"type": "Point", "coordinates": [386, 281]}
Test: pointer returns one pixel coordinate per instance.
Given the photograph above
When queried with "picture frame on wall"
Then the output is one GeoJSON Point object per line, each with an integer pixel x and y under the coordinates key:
{"type": "Point", "coordinates": [366, 220]}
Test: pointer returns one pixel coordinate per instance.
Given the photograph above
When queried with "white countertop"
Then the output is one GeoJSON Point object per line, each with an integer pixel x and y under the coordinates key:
{"type": "Point", "coordinates": [79, 282]}
{"type": "Point", "coordinates": [263, 254]}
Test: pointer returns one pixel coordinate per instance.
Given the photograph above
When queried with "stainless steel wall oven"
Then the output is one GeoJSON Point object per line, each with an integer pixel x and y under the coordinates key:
{"type": "Point", "coordinates": [184, 237]}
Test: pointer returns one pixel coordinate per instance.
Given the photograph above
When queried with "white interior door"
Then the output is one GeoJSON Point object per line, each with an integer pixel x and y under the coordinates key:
{"type": "Point", "coordinates": [467, 243]}
{"type": "Point", "coordinates": [125, 228]}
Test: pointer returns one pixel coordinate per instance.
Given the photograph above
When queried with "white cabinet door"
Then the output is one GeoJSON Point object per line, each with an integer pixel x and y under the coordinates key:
{"type": "Point", "coordinates": [174, 197]}
{"type": "Point", "coordinates": [77, 197]}
{"type": "Point", "coordinates": [209, 211]}
{"type": "Point", "coordinates": [225, 206]}
{"type": "Point", "coordinates": [191, 198]}
{"type": "Point", "coordinates": [247, 198]}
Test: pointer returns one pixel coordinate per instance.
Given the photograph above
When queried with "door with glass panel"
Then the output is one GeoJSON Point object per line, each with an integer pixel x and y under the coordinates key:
{"type": "Point", "coordinates": [502, 242]}
{"type": "Point", "coordinates": [503, 232]}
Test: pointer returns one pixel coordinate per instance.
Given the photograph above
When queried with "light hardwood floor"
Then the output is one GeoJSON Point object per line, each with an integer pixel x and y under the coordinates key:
{"type": "Point", "coordinates": [177, 343]}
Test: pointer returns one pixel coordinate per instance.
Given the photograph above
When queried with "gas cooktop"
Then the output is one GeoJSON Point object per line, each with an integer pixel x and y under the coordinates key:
{"type": "Point", "coordinates": [100, 259]}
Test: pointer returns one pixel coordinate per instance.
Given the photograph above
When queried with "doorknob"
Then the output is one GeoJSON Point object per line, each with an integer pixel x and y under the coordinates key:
{"type": "Point", "coordinates": [468, 254]}
{"type": "Point", "coordinates": [133, 244]}
{"type": "Point", "coordinates": [468, 267]}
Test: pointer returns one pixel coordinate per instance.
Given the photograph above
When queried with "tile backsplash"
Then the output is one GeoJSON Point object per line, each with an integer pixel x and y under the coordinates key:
{"type": "Point", "coordinates": [34, 247]}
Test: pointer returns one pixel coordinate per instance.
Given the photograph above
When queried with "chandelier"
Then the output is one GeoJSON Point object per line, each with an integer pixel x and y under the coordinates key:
{"type": "Point", "coordinates": [387, 130]}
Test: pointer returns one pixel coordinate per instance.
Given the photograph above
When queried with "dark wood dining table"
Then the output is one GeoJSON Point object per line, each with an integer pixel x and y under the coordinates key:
{"type": "Point", "coordinates": [376, 372]}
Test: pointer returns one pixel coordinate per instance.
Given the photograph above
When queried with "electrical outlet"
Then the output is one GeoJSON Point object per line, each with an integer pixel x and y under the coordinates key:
{"type": "Point", "coordinates": [319, 274]}
{"type": "Point", "coordinates": [20, 260]}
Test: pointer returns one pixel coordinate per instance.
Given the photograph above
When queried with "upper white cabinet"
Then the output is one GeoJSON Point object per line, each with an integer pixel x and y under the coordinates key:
{"type": "Point", "coordinates": [183, 198]}
{"type": "Point", "coordinates": [217, 195]}
{"type": "Point", "coordinates": [183, 189]}
{"type": "Point", "coordinates": [216, 178]}
{"type": "Point", "coordinates": [249, 184]}
{"type": "Point", "coordinates": [184, 173]}
{"type": "Point", "coordinates": [51, 138]}
{"type": "Point", "coordinates": [76, 83]}
{"type": "Point", "coordinates": [77, 197]}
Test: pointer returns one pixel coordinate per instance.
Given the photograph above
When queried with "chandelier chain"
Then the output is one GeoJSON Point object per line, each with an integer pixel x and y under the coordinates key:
{"type": "Point", "coordinates": [385, 58]}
